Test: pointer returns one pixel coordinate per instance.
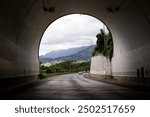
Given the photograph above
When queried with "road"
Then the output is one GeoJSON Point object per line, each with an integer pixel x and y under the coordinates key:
{"type": "Point", "coordinates": [76, 87]}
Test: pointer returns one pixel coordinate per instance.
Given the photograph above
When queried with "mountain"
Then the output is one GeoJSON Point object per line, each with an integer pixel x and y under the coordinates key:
{"type": "Point", "coordinates": [81, 53]}
{"type": "Point", "coordinates": [62, 53]}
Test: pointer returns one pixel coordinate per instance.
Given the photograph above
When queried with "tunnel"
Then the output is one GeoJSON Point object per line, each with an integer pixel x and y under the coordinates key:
{"type": "Point", "coordinates": [23, 22]}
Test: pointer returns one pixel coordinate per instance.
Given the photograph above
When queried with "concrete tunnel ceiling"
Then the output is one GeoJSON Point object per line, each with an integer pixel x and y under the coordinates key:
{"type": "Point", "coordinates": [23, 23]}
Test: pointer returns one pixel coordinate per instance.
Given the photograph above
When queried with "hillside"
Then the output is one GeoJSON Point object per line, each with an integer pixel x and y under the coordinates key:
{"type": "Point", "coordinates": [62, 53]}
{"type": "Point", "coordinates": [82, 53]}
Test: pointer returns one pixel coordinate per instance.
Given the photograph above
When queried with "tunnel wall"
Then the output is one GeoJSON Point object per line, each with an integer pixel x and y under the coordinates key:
{"type": "Point", "coordinates": [130, 28]}
{"type": "Point", "coordinates": [131, 42]}
{"type": "Point", "coordinates": [15, 60]}
{"type": "Point", "coordinates": [16, 63]}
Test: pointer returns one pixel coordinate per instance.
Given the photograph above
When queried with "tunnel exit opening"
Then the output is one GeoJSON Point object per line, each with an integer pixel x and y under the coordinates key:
{"type": "Point", "coordinates": [70, 44]}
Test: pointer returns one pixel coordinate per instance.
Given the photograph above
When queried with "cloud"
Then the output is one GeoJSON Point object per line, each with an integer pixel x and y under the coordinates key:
{"type": "Point", "coordinates": [70, 31]}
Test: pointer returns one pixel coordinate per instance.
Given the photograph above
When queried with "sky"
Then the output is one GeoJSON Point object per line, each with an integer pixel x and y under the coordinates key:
{"type": "Point", "coordinates": [70, 31]}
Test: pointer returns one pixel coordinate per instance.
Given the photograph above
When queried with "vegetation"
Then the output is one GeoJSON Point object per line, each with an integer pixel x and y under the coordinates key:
{"type": "Point", "coordinates": [104, 45]}
{"type": "Point", "coordinates": [66, 66]}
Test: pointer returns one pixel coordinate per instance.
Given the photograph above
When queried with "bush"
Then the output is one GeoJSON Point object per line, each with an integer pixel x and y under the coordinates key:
{"type": "Point", "coordinates": [104, 45]}
{"type": "Point", "coordinates": [66, 66]}
{"type": "Point", "coordinates": [41, 76]}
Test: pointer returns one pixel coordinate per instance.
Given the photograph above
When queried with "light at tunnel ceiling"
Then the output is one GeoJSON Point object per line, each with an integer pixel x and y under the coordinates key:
{"type": "Point", "coordinates": [45, 8]}
{"type": "Point", "coordinates": [116, 8]}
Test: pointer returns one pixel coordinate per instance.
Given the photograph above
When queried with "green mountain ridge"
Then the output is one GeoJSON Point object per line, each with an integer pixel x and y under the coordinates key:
{"type": "Point", "coordinates": [83, 54]}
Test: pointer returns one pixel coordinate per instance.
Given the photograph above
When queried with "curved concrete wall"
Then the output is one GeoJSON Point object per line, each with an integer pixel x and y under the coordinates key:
{"type": "Point", "coordinates": [23, 22]}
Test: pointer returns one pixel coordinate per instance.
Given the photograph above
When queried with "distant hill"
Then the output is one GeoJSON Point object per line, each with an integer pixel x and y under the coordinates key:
{"type": "Point", "coordinates": [80, 53]}
{"type": "Point", "coordinates": [62, 53]}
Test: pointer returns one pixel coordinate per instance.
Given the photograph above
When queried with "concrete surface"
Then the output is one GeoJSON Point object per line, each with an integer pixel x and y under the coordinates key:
{"type": "Point", "coordinates": [100, 65]}
{"type": "Point", "coordinates": [74, 86]}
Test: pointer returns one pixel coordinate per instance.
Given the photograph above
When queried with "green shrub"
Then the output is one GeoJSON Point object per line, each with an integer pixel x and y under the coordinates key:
{"type": "Point", "coordinates": [41, 76]}
{"type": "Point", "coordinates": [104, 45]}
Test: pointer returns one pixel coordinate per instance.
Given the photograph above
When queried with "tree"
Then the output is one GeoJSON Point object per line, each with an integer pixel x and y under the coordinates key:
{"type": "Point", "coordinates": [100, 41]}
{"type": "Point", "coordinates": [104, 45]}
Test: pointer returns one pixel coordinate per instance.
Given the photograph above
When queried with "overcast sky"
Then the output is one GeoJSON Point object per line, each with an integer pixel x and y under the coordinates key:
{"type": "Point", "coordinates": [70, 31]}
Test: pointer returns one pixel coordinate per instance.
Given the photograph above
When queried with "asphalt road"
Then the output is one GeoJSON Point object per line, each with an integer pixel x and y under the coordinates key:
{"type": "Point", "coordinates": [76, 87]}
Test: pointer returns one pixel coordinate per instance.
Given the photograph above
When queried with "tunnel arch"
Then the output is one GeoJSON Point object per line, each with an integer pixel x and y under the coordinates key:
{"type": "Point", "coordinates": [128, 22]}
